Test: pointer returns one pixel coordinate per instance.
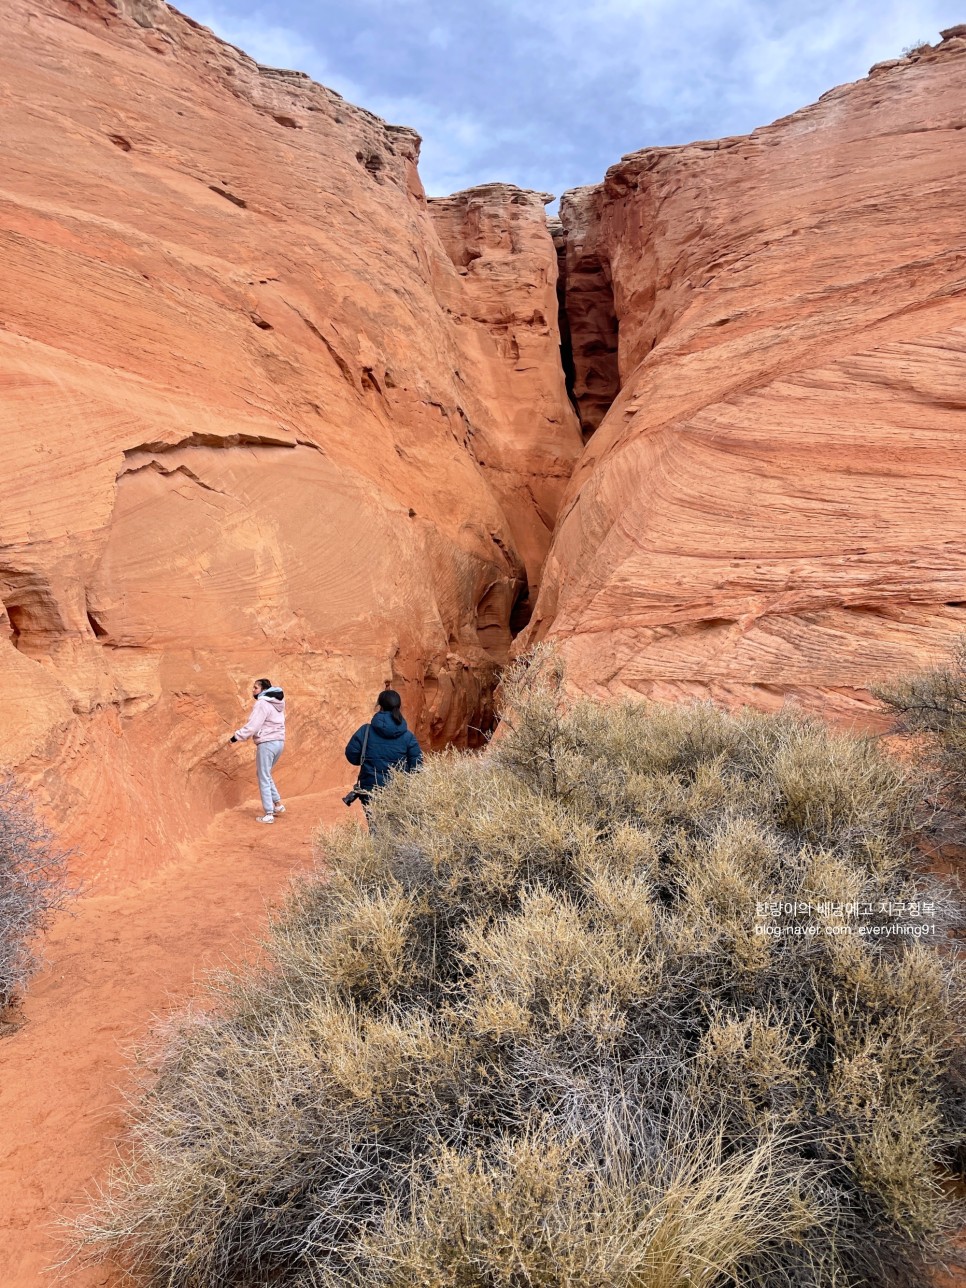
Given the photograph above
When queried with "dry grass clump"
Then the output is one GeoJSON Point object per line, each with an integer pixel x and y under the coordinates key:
{"type": "Point", "coordinates": [33, 886]}
{"type": "Point", "coordinates": [529, 1033]}
{"type": "Point", "coordinates": [931, 706]}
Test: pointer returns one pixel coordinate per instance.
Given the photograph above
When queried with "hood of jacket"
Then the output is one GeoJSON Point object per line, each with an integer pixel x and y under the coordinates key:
{"type": "Point", "coordinates": [275, 697]}
{"type": "Point", "coordinates": [386, 727]}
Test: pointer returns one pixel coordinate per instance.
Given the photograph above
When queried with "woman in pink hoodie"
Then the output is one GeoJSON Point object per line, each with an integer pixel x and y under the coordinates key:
{"type": "Point", "coordinates": [266, 725]}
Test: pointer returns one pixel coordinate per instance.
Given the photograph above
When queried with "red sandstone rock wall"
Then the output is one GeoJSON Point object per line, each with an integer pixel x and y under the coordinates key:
{"type": "Point", "coordinates": [506, 297]}
{"type": "Point", "coordinates": [774, 505]}
{"type": "Point", "coordinates": [588, 300]}
{"type": "Point", "coordinates": [266, 410]}
{"type": "Point", "coordinates": [244, 393]}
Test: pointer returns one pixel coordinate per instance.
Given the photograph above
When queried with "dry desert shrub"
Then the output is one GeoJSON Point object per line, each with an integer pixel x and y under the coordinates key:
{"type": "Point", "coordinates": [530, 1033]}
{"type": "Point", "coordinates": [33, 886]}
{"type": "Point", "coordinates": [931, 707]}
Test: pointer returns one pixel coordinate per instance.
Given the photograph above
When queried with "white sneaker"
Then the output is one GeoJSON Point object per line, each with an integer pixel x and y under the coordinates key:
{"type": "Point", "coordinates": [279, 807]}
{"type": "Point", "coordinates": [266, 818]}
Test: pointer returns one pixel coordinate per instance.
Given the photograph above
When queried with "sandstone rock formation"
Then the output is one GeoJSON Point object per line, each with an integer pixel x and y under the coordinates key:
{"type": "Point", "coordinates": [265, 409]}
{"type": "Point", "coordinates": [259, 417]}
{"type": "Point", "coordinates": [496, 236]}
{"type": "Point", "coordinates": [587, 298]}
{"type": "Point", "coordinates": [773, 506]}
{"type": "Point", "coordinates": [268, 410]}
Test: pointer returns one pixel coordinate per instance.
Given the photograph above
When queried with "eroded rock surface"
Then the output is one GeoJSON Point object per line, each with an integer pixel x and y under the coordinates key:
{"type": "Point", "coordinates": [256, 422]}
{"type": "Point", "coordinates": [773, 505]}
{"type": "Point", "coordinates": [269, 411]}
{"type": "Point", "coordinates": [496, 236]}
{"type": "Point", "coordinates": [588, 306]}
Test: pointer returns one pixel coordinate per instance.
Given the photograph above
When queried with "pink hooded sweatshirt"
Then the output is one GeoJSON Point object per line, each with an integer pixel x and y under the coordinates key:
{"type": "Point", "coordinates": [267, 720]}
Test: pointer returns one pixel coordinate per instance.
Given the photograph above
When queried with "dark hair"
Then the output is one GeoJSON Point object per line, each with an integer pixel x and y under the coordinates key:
{"type": "Point", "coordinates": [389, 700]}
{"type": "Point", "coordinates": [264, 684]}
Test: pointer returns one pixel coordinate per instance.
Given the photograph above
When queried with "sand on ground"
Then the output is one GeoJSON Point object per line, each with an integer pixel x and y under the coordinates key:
{"type": "Point", "coordinates": [114, 964]}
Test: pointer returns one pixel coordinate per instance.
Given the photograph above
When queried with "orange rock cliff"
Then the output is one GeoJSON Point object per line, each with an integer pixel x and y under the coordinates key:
{"type": "Point", "coordinates": [269, 410]}
{"type": "Point", "coordinates": [769, 348]}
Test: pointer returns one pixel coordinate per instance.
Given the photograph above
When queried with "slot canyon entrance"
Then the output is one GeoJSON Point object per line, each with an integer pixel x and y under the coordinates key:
{"type": "Point", "coordinates": [587, 315]}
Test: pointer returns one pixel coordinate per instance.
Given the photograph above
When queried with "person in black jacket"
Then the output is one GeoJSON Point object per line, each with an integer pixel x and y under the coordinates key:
{"type": "Point", "coordinates": [390, 745]}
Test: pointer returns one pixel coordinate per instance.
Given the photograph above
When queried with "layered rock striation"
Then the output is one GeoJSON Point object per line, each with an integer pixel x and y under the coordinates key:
{"type": "Point", "coordinates": [268, 410]}
{"type": "Point", "coordinates": [772, 506]}
{"type": "Point", "coordinates": [257, 420]}
{"type": "Point", "coordinates": [506, 298]}
{"type": "Point", "coordinates": [587, 307]}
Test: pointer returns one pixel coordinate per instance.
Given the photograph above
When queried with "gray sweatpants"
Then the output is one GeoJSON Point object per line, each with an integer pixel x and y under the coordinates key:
{"type": "Point", "coordinates": [266, 754]}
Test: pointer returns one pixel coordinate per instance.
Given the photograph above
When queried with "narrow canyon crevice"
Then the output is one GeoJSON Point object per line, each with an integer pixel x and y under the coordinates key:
{"type": "Point", "coordinates": [513, 413]}
{"type": "Point", "coordinates": [559, 236]}
{"type": "Point", "coordinates": [588, 316]}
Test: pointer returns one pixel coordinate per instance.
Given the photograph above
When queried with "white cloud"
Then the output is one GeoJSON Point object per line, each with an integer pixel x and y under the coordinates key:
{"type": "Point", "coordinates": [717, 57]}
{"type": "Point", "coordinates": [547, 94]}
{"type": "Point", "coordinates": [452, 141]}
{"type": "Point", "coordinates": [274, 45]}
{"type": "Point", "coordinates": [451, 138]}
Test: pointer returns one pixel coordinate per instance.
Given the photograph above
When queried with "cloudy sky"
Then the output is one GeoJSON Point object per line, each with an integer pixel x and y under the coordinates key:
{"type": "Point", "coordinates": [548, 93]}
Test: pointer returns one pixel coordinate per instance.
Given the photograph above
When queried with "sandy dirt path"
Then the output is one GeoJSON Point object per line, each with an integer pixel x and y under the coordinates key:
{"type": "Point", "coordinates": [117, 962]}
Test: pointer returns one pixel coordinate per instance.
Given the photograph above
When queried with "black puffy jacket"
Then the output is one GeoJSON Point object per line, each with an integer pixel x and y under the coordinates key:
{"type": "Point", "coordinates": [390, 745]}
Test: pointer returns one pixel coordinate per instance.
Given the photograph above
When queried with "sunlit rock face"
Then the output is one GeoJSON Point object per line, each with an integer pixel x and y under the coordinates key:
{"type": "Point", "coordinates": [269, 411]}
{"type": "Point", "coordinates": [258, 419]}
{"type": "Point", "coordinates": [772, 507]}
{"type": "Point", "coordinates": [505, 299]}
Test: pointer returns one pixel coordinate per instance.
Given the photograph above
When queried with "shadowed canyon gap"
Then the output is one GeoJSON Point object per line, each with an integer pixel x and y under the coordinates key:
{"type": "Point", "coordinates": [269, 410]}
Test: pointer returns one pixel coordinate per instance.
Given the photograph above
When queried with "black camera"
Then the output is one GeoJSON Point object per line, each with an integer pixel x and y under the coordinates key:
{"type": "Point", "coordinates": [351, 797]}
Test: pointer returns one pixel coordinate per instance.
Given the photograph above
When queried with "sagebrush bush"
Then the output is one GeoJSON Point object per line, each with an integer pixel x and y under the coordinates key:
{"type": "Point", "coordinates": [529, 1032]}
{"type": "Point", "coordinates": [33, 886]}
{"type": "Point", "coordinates": [931, 706]}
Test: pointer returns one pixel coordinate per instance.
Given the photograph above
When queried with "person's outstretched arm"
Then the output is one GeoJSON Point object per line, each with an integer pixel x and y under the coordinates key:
{"type": "Point", "coordinates": [414, 754]}
{"type": "Point", "coordinates": [353, 751]}
{"type": "Point", "coordinates": [255, 722]}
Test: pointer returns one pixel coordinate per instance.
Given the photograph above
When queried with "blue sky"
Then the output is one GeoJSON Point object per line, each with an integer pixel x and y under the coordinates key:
{"type": "Point", "coordinates": [548, 93]}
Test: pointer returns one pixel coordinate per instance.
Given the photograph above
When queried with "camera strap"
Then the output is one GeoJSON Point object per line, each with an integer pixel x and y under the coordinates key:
{"type": "Point", "coordinates": [362, 758]}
